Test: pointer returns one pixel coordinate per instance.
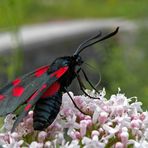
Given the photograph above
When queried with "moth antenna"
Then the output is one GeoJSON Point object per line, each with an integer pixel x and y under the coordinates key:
{"type": "Point", "coordinates": [89, 42]}
{"type": "Point", "coordinates": [86, 41]}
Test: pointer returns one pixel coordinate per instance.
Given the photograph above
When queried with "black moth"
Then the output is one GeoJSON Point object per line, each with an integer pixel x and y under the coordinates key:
{"type": "Point", "coordinates": [42, 89]}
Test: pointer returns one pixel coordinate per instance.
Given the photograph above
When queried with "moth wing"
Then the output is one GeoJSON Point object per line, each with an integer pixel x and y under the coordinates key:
{"type": "Point", "coordinates": [49, 86]}
{"type": "Point", "coordinates": [18, 91]}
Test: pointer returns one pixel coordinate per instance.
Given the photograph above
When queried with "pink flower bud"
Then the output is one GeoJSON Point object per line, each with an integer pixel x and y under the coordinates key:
{"type": "Point", "coordinates": [124, 137]}
{"type": "Point", "coordinates": [78, 136]}
{"type": "Point", "coordinates": [42, 136]}
{"type": "Point", "coordinates": [135, 124]}
{"type": "Point", "coordinates": [83, 126]}
{"type": "Point", "coordinates": [87, 117]}
{"type": "Point", "coordinates": [89, 123]}
{"type": "Point", "coordinates": [15, 135]}
{"type": "Point", "coordinates": [78, 100]}
{"type": "Point", "coordinates": [22, 123]}
{"type": "Point", "coordinates": [83, 105]}
{"type": "Point", "coordinates": [95, 133]}
{"type": "Point", "coordinates": [29, 121]}
{"type": "Point", "coordinates": [47, 144]}
{"type": "Point", "coordinates": [30, 114]}
{"type": "Point", "coordinates": [101, 130]}
{"type": "Point", "coordinates": [119, 145]}
{"type": "Point", "coordinates": [106, 108]}
{"type": "Point", "coordinates": [103, 117]}
{"type": "Point", "coordinates": [80, 115]}
{"type": "Point", "coordinates": [119, 110]}
{"type": "Point", "coordinates": [35, 144]}
{"type": "Point", "coordinates": [124, 129]}
{"type": "Point", "coordinates": [67, 112]}
{"type": "Point", "coordinates": [96, 115]}
{"type": "Point", "coordinates": [142, 116]}
{"type": "Point", "coordinates": [134, 117]}
{"type": "Point", "coordinates": [75, 135]}
{"type": "Point", "coordinates": [95, 138]}
{"type": "Point", "coordinates": [72, 134]}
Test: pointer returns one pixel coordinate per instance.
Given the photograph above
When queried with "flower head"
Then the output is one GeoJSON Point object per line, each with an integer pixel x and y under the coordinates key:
{"type": "Point", "coordinates": [116, 122]}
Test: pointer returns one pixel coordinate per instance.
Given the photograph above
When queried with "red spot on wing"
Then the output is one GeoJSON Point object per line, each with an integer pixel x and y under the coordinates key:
{"type": "Point", "coordinates": [2, 97]}
{"type": "Point", "coordinates": [17, 91]}
{"type": "Point", "coordinates": [16, 81]}
{"type": "Point", "coordinates": [27, 107]}
{"type": "Point", "coordinates": [32, 96]}
{"type": "Point", "coordinates": [36, 93]}
{"type": "Point", "coordinates": [59, 72]}
{"type": "Point", "coordinates": [40, 71]}
{"type": "Point", "coordinates": [43, 87]}
{"type": "Point", "coordinates": [51, 90]}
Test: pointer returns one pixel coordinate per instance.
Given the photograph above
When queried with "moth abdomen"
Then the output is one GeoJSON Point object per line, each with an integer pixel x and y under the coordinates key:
{"type": "Point", "coordinates": [46, 110]}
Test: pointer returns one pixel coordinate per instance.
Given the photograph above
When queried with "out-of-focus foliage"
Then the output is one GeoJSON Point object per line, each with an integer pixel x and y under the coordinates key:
{"type": "Point", "coordinates": [11, 16]}
{"type": "Point", "coordinates": [33, 11]}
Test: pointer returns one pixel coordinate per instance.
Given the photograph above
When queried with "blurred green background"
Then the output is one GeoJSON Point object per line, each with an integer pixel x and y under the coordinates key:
{"type": "Point", "coordinates": [120, 66]}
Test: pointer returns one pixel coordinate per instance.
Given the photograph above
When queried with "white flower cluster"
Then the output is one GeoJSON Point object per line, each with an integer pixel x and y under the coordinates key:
{"type": "Point", "coordinates": [118, 122]}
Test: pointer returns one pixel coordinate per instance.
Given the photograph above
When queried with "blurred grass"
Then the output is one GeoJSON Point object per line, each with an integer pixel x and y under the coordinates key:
{"type": "Point", "coordinates": [10, 18]}
{"type": "Point", "coordinates": [35, 11]}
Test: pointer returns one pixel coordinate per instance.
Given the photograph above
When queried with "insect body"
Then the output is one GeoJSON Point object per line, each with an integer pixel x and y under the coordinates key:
{"type": "Point", "coordinates": [42, 89]}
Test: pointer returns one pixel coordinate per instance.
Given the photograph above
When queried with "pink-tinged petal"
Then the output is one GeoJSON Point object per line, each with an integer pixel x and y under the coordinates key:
{"type": "Point", "coordinates": [95, 138]}
{"type": "Point", "coordinates": [42, 136]}
{"type": "Point", "coordinates": [95, 132]}
{"type": "Point", "coordinates": [29, 122]}
{"type": "Point", "coordinates": [119, 110]}
{"type": "Point", "coordinates": [95, 135]}
{"type": "Point", "coordinates": [48, 144]}
{"type": "Point", "coordinates": [86, 140]}
{"type": "Point", "coordinates": [119, 145]}
{"type": "Point", "coordinates": [35, 144]}
{"type": "Point", "coordinates": [136, 124]}
{"type": "Point", "coordinates": [83, 126]}
{"type": "Point", "coordinates": [103, 117]}
{"type": "Point", "coordinates": [15, 135]}
{"type": "Point", "coordinates": [78, 100]}
{"type": "Point", "coordinates": [30, 114]}
{"type": "Point", "coordinates": [124, 137]}
{"type": "Point", "coordinates": [96, 114]}
{"type": "Point", "coordinates": [77, 135]}
{"type": "Point", "coordinates": [142, 116]}
{"type": "Point", "coordinates": [109, 129]}
{"type": "Point", "coordinates": [87, 117]}
{"type": "Point", "coordinates": [80, 115]}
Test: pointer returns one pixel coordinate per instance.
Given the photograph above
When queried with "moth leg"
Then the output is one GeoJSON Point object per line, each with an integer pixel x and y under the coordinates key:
{"type": "Point", "coordinates": [82, 88]}
{"type": "Point", "coordinates": [74, 102]}
{"type": "Point", "coordinates": [86, 78]}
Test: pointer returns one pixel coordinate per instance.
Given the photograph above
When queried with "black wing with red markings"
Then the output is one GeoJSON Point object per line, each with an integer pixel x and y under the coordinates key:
{"type": "Point", "coordinates": [28, 88]}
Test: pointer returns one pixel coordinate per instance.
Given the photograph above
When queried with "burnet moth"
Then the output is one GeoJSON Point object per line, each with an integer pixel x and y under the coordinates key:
{"type": "Point", "coordinates": [42, 89]}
